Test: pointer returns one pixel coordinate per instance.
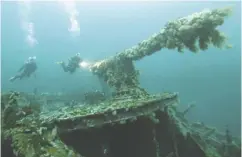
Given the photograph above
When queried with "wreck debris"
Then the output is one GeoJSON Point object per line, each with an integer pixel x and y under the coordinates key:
{"type": "Point", "coordinates": [23, 134]}
{"type": "Point", "coordinates": [133, 123]}
{"type": "Point", "coordinates": [119, 72]}
{"type": "Point", "coordinates": [12, 111]}
{"type": "Point", "coordinates": [190, 106]}
{"type": "Point", "coordinates": [116, 128]}
{"type": "Point", "coordinates": [94, 97]}
{"type": "Point", "coordinates": [122, 76]}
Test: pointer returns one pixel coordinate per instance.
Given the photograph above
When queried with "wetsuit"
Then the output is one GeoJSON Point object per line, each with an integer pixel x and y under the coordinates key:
{"type": "Point", "coordinates": [27, 69]}
{"type": "Point", "coordinates": [72, 65]}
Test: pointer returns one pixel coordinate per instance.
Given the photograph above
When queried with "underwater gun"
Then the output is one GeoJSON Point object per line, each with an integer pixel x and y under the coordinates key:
{"type": "Point", "coordinates": [179, 34]}
{"type": "Point", "coordinates": [194, 32]}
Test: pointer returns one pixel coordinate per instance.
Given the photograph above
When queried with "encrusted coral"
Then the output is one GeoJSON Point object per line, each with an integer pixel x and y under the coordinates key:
{"type": "Point", "coordinates": [182, 33]}
{"type": "Point", "coordinates": [121, 74]}
{"type": "Point", "coordinates": [146, 125]}
{"type": "Point", "coordinates": [194, 32]}
{"type": "Point", "coordinates": [154, 117]}
{"type": "Point", "coordinates": [22, 126]}
{"type": "Point", "coordinates": [10, 112]}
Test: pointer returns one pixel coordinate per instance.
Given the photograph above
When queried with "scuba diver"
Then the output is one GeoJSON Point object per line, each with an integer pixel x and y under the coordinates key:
{"type": "Point", "coordinates": [73, 63]}
{"type": "Point", "coordinates": [27, 69]}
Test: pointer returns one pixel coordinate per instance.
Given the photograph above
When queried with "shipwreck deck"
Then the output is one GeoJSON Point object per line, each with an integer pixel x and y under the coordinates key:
{"type": "Point", "coordinates": [84, 117]}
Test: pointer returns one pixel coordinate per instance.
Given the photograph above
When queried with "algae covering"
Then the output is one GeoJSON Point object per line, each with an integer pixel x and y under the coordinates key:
{"type": "Point", "coordinates": [132, 123]}
{"type": "Point", "coordinates": [195, 32]}
{"type": "Point", "coordinates": [149, 126]}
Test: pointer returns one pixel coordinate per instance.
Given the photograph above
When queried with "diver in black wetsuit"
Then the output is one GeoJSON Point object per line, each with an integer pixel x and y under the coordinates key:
{"type": "Point", "coordinates": [73, 64]}
{"type": "Point", "coordinates": [27, 69]}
